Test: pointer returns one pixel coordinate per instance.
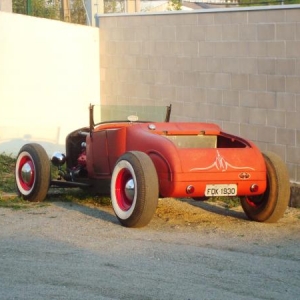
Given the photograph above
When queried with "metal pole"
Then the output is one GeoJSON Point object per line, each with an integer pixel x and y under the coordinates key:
{"type": "Point", "coordinates": [28, 7]}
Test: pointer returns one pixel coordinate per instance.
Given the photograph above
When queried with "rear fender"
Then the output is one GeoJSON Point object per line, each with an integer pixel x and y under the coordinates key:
{"type": "Point", "coordinates": [164, 172]}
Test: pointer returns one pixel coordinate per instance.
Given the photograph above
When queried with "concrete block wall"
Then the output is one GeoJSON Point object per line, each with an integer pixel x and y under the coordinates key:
{"type": "Point", "coordinates": [239, 68]}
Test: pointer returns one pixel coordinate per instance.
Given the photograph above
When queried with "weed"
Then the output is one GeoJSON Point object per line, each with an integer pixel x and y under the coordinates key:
{"type": "Point", "coordinates": [7, 170]}
{"type": "Point", "coordinates": [230, 202]}
{"type": "Point", "coordinates": [17, 203]}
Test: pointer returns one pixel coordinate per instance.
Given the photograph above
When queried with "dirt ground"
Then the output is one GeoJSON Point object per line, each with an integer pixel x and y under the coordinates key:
{"type": "Point", "coordinates": [188, 213]}
{"type": "Point", "coordinates": [190, 250]}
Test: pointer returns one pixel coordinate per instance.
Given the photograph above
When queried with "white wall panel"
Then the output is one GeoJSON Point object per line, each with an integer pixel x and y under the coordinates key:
{"type": "Point", "coordinates": [49, 73]}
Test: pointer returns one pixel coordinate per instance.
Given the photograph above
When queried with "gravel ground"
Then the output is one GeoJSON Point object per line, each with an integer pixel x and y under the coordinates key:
{"type": "Point", "coordinates": [190, 250]}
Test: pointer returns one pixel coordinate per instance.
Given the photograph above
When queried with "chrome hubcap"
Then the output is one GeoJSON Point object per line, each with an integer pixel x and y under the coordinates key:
{"type": "Point", "coordinates": [27, 173]}
{"type": "Point", "coordinates": [129, 189]}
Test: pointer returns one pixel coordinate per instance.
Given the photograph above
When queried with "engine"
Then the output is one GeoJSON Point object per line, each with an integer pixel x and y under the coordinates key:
{"type": "Point", "coordinates": [70, 174]}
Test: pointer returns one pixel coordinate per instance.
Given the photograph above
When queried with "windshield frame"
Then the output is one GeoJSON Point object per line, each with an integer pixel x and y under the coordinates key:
{"type": "Point", "coordinates": [128, 114]}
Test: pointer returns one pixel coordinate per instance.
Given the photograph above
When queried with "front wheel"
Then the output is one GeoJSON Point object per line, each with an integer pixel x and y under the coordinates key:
{"type": "Point", "coordinates": [270, 206]}
{"type": "Point", "coordinates": [32, 172]}
{"type": "Point", "coordinates": [134, 189]}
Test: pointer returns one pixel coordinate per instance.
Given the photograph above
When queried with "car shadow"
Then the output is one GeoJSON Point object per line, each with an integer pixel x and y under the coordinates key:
{"type": "Point", "coordinates": [216, 209]}
{"type": "Point", "coordinates": [104, 213]}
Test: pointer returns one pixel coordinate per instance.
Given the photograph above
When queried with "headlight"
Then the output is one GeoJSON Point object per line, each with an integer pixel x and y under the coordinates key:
{"type": "Point", "coordinates": [58, 159]}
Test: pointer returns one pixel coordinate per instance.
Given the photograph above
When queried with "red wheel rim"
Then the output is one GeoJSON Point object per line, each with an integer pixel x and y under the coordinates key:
{"type": "Point", "coordinates": [26, 173]}
{"type": "Point", "coordinates": [124, 189]}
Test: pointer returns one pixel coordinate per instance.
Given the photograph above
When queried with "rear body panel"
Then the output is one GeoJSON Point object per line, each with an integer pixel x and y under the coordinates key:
{"type": "Point", "coordinates": [184, 154]}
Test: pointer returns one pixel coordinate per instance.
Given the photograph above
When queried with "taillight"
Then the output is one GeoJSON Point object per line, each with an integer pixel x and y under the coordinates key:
{"type": "Point", "coordinates": [254, 188]}
{"type": "Point", "coordinates": [190, 189]}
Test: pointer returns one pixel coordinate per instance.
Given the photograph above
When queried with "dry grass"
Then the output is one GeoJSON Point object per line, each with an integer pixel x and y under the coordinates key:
{"type": "Point", "coordinates": [7, 169]}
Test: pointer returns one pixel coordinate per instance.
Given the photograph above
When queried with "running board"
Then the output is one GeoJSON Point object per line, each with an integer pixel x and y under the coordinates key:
{"type": "Point", "coordinates": [70, 184]}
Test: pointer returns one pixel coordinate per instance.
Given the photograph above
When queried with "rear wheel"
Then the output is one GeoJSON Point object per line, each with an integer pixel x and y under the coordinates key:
{"type": "Point", "coordinates": [32, 172]}
{"type": "Point", "coordinates": [134, 189]}
{"type": "Point", "coordinates": [270, 206]}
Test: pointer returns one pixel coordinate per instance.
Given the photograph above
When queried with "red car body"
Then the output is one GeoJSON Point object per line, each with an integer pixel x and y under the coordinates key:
{"type": "Point", "coordinates": [180, 155]}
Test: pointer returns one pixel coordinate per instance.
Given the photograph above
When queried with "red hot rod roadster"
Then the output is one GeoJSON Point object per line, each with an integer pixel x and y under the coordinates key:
{"type": "Point", "coordinates": [136, 162]}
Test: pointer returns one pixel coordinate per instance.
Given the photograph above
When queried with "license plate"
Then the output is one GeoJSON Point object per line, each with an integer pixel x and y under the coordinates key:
{"type": "Point", "coordinates": [214, 190]}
